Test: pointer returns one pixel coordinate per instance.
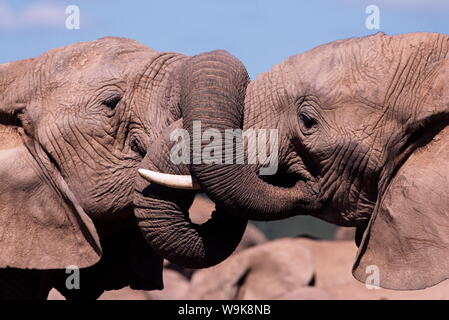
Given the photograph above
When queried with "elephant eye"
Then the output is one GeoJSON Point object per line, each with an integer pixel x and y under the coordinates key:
{"type": "Point", "coordinates": [308, 121]}
{"type": "Point", "coordinates": [112, 102]}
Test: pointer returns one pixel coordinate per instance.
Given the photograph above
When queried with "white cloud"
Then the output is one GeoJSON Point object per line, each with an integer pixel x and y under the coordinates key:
{"type": "Point", "coordinates": [35, 15]}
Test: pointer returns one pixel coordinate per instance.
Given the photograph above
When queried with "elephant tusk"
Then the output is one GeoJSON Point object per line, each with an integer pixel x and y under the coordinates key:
{"type": "Point", "coordinates": [186, 182]}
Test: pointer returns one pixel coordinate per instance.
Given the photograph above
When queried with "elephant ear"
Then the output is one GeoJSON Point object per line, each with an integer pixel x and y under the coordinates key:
{"type": "Point", "coordinates": [408, 235]}
{"type": "Point", "coordinates": [42, 226]}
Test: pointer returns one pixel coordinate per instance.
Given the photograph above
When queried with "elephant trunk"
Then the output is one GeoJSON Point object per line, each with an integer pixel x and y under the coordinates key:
{"type": "Point", "coordinates": [213, 88]}
{"type": "Point", "coordinates": [163, 215]}
{"type": "Point", "coordinates": [212, 95]}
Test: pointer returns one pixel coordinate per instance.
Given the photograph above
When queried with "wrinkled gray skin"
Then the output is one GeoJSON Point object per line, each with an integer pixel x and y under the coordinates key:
{"type": "Point", "coordinates": [355, 117]}
{"type": "Point", "coordinates": [359, 124]}
{"type": "Point", "coordinates": [75, 125]}
{"type": "Point", "coordinates": [349, 113]}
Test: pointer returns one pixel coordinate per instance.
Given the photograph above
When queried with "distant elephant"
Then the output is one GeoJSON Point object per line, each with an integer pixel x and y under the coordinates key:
{"type": "Point", "coordinates": [362, 143]}
{"type": "Point", "coordinates": [75, 125]}
{"type": "Point", "coordinates": [176, 277]}
{"type": "Point", "coordinates": [266, 271]}
{"type": "Point", "coordinates": [332, 267]}
{"type": "Point", "coordinates": [345, 233]}
{"type": "Point", "coordinates": [295, 269]}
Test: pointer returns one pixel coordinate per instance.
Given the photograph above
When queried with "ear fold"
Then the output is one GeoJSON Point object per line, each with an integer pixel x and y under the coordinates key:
{"type": "Point", "coordinates": [10, 91]}
{"type": "Point", "coordinates": [408, 235]}
{"type": "Point", "coordinates": [42, 226]}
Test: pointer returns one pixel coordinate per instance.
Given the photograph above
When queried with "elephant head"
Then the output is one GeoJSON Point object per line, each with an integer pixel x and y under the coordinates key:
{"type": "Point", "coordinates": [75, 125]}
{"type": "Point", "coordinates": [360, 140]}
{"type": "Point", "coordinates": [363, 121]}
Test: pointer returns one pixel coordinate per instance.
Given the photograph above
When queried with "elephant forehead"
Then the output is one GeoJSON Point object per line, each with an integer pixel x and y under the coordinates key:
{"type": "Point", "coordinates": [335, 68]}
{"type": "Point", "coordinates": [88, 63]}
{"type": "Point", "coordinates": [379, 71]}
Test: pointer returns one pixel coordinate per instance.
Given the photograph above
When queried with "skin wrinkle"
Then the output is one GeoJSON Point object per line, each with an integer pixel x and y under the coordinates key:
{"type": "Point", "coordinates": [80, 167]}
{"type": "Point", "coordinates": [347, 174]}
{"type": "Point", "coordinates": [141, 118]}
{"type": "Point", "coordinates": [110, 114]}
{"type": "Point", "coordinates": [364, 163]}
{"type": "Point", "coordinates": [385, 110]}
{"type": "Point", "coordinates": [341, 167]}
{"type": "Point", "coordinates": [359, 177]}
{"type": "Point", "coordinates": [353, 187]}
{"type": "Point", "coordinates": [92, 146]}
{"type": "Point", "coordinates": [43, 169]}
{"type": "Point", "coordinates": [123, 132]}
{"type": "Point", "coordinates": [391, 87]}
{"type": "Point", "coordinates": [78, 138]}
{"type": "Point", "coordinates": [326, 179]}
{"type": "Point", "coordinates": [61, 157]}
{"type": "Point", "coordinates": [353, 66]}
{"type": "Point", "coordinates": [405, 81]}
{"type": "Point", "coordinates": [53, 140]}
{"type": "Point", "coordinates": [329, 80]}
{"type": "Point", "coordinates": [73, 155]}
{"type": "Point", "coordinates": [118, 158]}
{"type": "Point", "coordinates": [79, 157]}
{"type": "Point", "coordinates": [423, 67]}
{"type": "Point", "coordinates": [429, 75]}
{"type": "Point", "coordinates": [148, 68]}
{"type": "Point", "coordinates": [86, 142]}
{"type": "Point", "coordinates": [208, 175]}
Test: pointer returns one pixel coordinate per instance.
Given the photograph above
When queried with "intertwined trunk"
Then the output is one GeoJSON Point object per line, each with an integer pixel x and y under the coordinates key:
{"type": "Point", "coordinates": [216, 83]}
{"type": "Point", "coordinates": [212, 93]}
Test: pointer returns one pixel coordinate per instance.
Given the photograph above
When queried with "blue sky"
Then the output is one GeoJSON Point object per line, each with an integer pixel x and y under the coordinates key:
{"type": "Point", "coordinates": [259, 32]}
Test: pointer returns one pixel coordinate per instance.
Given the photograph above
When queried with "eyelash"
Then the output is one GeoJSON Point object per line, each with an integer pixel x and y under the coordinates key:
{"type": "Point", "coordinates": [111, 103]}
{"type": "Point", "coordinates": [308, 121]}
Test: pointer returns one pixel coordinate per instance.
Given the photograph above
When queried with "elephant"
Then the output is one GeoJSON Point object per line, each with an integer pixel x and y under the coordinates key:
{"type": "Point", "coordinates": [260, 272]}
{"type": "Point", "coordinates": [362, 130]}
{"type": "Point", "coordinates": [295, 269]}
{"type": "Point", "coordinates": [76, 124]}
{"type": "Point", "coordinates": [343, 233]}
{"type": "Point", "coordinates": [175, 278]}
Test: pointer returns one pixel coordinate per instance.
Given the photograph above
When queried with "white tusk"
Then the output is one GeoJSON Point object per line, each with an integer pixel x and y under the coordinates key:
{"type": "Point", "coordinates": [186, 182]}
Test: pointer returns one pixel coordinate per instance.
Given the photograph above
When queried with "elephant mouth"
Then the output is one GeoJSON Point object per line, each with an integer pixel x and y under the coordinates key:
{"type": "Point", "coordinates": [298, 178]}
{"type": "Point", "coordinates": [299, 173]}
{"type": "Point", "coordinates": [304, 173]}
{"type": "Point", "coordinates": [284, 178]}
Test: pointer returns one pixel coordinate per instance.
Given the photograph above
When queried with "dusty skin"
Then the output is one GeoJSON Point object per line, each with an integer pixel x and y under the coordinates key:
{"type": "Point", "coordinates": [361, 128]}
